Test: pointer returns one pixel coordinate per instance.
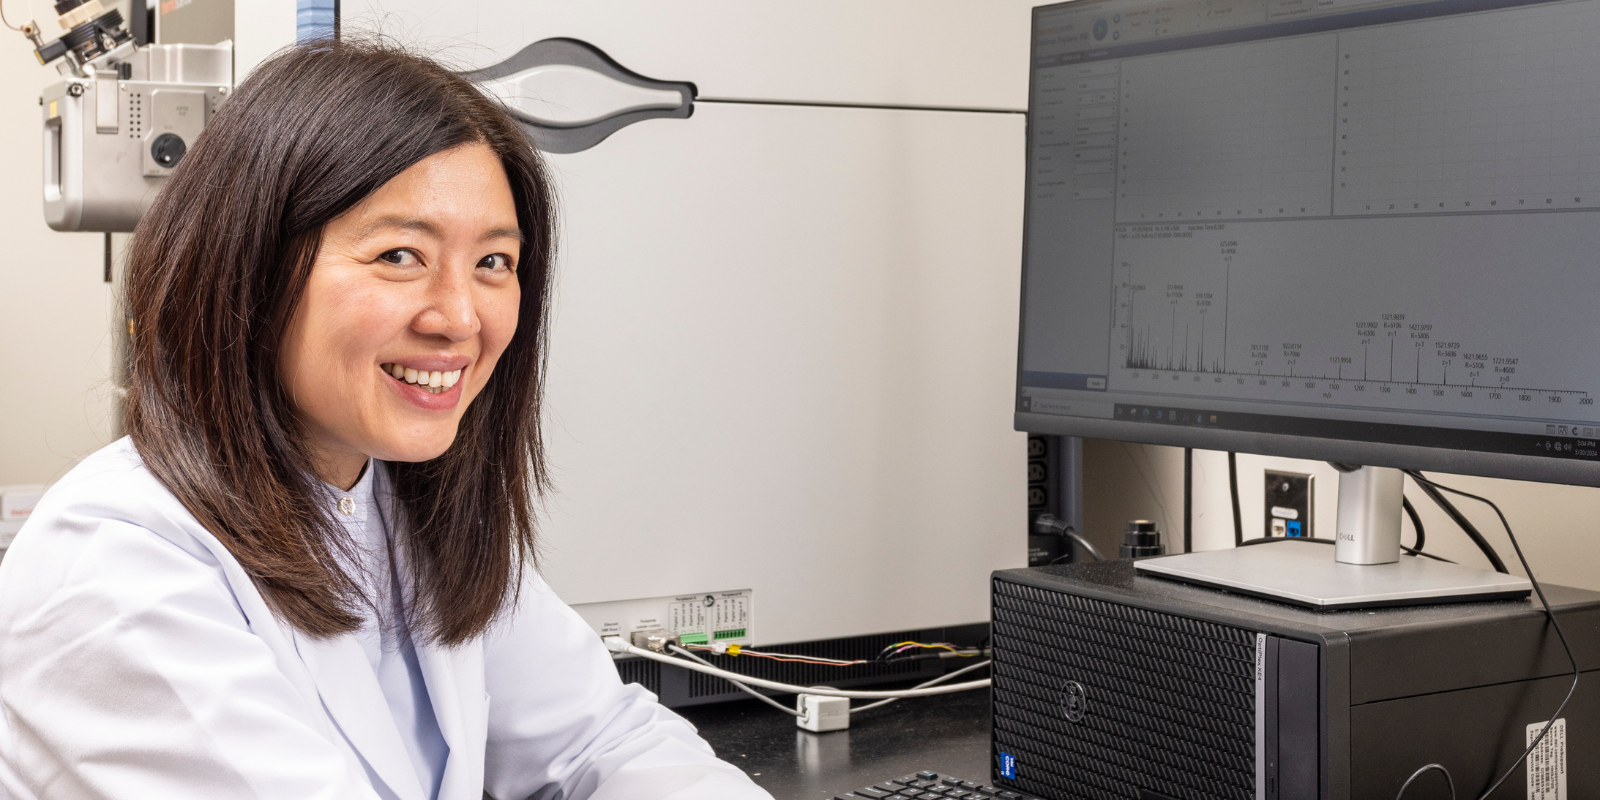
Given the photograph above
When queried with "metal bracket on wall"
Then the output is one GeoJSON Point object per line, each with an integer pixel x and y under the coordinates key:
{"type": "Point", "coordinates": [570, 95]}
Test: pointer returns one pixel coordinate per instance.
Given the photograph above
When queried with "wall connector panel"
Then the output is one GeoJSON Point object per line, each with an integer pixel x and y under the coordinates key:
{"type": "Point", "coordinates": [692, 619]}
{"type": "Point", "coordinates": [1289, 505]}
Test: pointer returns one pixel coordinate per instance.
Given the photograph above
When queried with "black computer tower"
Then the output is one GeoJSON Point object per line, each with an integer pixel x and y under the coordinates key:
{"type": "Point", "coordinates": [1112, 685]}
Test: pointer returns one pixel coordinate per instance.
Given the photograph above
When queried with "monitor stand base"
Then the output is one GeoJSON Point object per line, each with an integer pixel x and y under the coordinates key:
{"type": "Point", "coordinates": [1304, 573]}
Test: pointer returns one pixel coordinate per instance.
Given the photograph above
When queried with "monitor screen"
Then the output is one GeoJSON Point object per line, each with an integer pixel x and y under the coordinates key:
{"type": "Point", "coordinates": [1336, 229]}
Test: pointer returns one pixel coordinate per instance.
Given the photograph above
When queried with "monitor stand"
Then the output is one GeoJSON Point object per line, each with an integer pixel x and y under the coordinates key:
{"type": "Point", "coordinates": [1363, 569]}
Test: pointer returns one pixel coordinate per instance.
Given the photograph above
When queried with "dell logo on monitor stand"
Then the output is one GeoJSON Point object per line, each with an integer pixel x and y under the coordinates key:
{"type": "Point", "coordinates": [1074, 701]}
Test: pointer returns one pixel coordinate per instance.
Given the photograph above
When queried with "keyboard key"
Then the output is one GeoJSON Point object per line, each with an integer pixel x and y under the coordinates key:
{"type": "Point", "coordinates": [930, 796]}
{"type": "Point", "coordinates": [909, 792]}
{"type": "Point", "coordinates": [1009, 796]}
{"type": "Point", "coordinates": [890, 786]}
{"type": "Point", "coordinates": [928, 776]}
{"type": "Point", "coordinates": [873, 792]}
{"type": "Point", "coordinates": [957, 794]}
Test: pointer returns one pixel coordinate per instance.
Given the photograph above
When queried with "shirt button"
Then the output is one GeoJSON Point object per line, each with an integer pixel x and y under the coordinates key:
{"type": "Point", "coordinates": [347, 506]}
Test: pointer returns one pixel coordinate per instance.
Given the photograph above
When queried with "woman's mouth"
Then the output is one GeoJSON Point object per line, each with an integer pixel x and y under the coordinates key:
{"type": "Point", "coordinates": [432, 382]}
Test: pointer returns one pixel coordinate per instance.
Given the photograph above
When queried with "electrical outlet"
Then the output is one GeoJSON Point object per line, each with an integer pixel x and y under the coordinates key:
{"type": "Point", "coordinates": [1289, 509]}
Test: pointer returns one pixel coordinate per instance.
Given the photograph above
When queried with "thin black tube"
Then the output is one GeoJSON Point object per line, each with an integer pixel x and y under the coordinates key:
{"type": "Point", "coordinates": [108, 258]}
{"type": "Point", "coordinates": [1416, 522]}
{"type": "Point", "coordinates": [1233, 494]}
{"type": "Point", "coordinates": [1422, 536]}
{"type": "Point", "coordinates": [1429, 488]}
{"type": "Point", "coordinates": [1449, 781]}
{"type": "Point", "coordinates": [1549, 614]}
{"type": "Point", "coordinates": [1188, 499]}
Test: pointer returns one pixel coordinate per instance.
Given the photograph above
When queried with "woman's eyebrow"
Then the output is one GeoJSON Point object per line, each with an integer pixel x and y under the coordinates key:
{"type": "Point", "coordinates": [395, 221]}
{"type": "Point", "coordinates": [503, 233]}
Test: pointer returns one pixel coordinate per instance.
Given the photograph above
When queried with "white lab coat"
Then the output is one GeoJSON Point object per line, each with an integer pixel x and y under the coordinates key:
{"type": "Point", "coordinates": [137, 660]}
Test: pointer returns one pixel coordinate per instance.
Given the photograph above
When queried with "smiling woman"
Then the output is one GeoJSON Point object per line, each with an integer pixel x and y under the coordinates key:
{"type": "Point", "coordinates": [308, 571]}
{"type": "Point", "coordinates": [331, 221]}
{"type": "Point", "coordinates": [411, 290]}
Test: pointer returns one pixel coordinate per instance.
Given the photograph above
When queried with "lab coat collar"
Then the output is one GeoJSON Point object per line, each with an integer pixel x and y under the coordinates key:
{"type": "Point", "coordinates": [350, 692]}
{"type": "Point", "coordinates": [441, 671]}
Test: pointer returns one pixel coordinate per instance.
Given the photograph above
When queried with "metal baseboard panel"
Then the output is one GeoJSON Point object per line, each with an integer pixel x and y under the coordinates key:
{"type": "Point", "coordinates": [680, 687]}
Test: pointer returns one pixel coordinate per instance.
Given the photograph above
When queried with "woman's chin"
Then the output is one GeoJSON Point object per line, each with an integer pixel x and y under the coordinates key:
{"type": "Point", "coordinates": [417, 448]}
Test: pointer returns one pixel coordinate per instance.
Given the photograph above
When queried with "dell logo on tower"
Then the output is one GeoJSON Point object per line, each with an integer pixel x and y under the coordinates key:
{"type": "Point", "coordinates": [1074, 701]}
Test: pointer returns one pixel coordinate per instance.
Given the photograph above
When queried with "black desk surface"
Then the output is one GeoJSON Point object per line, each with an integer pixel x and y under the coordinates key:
{"type": "Point", "coordinates": [945, 733]}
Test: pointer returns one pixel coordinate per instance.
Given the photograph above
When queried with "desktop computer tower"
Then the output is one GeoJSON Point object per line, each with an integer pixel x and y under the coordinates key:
{"type": "Point", "coordinates": [1109, 684]}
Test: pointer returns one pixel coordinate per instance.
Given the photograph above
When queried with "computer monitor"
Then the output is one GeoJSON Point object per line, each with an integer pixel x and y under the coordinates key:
{"type": "Point", "coordinates": [1362, 232]}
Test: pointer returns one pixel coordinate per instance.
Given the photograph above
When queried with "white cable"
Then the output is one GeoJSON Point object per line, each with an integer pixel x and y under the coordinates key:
{"type": "Point", "coordinates": [616, 645]}
{"type": "Point", "coordinates": [743, 688]}
{"type": "Point", "coordinates": [938, 680]}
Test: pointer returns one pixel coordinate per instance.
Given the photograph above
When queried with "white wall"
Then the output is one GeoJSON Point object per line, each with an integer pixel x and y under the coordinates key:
{"type": "Point", "coordinates": [55, 312]}
{"type": "Point", "coordinates": [1557, 525]}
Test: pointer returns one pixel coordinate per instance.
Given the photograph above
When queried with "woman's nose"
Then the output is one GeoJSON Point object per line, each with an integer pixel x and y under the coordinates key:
{"type": "Point", "coordinates": [451, 311]}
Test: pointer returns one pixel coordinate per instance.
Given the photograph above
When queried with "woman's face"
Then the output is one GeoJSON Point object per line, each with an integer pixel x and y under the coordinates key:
{"type": "Point", "coordinates": [411, 301]}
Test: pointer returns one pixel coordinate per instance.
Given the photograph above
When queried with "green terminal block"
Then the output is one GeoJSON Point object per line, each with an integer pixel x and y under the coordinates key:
{"type": "Point", "coordinates": [693, 638]}
{"type": "Point", "coordinates": [736, 633]}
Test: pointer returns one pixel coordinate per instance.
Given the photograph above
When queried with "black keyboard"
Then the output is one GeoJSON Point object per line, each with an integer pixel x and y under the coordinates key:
{"type": "Point", "coordinates": [932, 786]}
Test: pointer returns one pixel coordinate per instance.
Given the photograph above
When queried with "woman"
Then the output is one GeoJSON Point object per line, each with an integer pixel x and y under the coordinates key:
{"type": "Point", "coordinates": [308, 571]}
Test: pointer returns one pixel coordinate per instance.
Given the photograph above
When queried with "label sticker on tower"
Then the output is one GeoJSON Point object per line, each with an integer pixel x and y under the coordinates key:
{"type": "Point", "coordinates": [1547, 763]}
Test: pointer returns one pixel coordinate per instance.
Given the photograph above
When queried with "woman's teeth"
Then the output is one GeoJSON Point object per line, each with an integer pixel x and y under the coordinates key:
{"type": "Point", "coordinates": [434, 382]}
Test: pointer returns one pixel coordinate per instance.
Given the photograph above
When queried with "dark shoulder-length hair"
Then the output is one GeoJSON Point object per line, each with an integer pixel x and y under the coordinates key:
{"type": "Point", "coordinates": [216, 270]}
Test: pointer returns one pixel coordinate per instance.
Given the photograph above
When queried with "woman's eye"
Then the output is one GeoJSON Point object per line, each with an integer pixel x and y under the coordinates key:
{"type": "Point", "coordinates": [401, 257]}
{"type": "Point", "coordinates": [496, 261]}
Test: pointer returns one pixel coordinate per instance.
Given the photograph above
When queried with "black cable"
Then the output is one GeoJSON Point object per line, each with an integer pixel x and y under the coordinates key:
{"type": "Point", "coordinates": [1549, 614]}
{"type": "Point", "coordinates": [1082, 542]}
{"type": "Point", "coordinates": [1271, 539]}
{"type": "Point", "coordinates": [1432, 490]}
{"type": "Point", "coordinates": [1188, 499]}
{"type": "Point", "coordinates": [1233, 493]}
{"type": "Point", "coordinates": [1416, 522]}
{"type": "Point", "coordinates": [1421, 554]}
{"type": "Point", "coordinates": [1419, 773]}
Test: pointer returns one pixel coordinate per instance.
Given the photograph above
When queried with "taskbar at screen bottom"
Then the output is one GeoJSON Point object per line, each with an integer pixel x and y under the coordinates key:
{"type": "Point", "coordinates": [1560, 441]}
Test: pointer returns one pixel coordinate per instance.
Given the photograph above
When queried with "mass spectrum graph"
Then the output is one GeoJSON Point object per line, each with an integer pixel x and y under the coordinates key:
{"type": "Point", "coordinates": [1181, 327]}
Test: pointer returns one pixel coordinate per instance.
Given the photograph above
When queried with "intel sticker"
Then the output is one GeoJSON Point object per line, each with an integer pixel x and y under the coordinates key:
{"type": "Point", "coordinates": [1008, 766]}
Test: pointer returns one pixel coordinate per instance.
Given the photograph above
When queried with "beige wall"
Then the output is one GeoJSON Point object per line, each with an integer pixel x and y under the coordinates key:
{"type": "Point", "coordinates": [54, 309]}
{"type": "Point", "coordinates": [1557, 525]}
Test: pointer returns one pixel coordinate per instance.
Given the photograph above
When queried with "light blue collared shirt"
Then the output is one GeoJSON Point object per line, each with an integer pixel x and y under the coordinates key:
{"type": "Point", "coordinates": [383, 636]}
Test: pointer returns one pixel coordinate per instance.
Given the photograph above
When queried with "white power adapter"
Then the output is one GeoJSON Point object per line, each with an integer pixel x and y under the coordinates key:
{"type": "Point", "coordinates": [819, 714]}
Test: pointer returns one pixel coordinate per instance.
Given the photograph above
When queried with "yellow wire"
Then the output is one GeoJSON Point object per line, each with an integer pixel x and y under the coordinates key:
{"type": "Point", "coordinates": [933, 647]}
